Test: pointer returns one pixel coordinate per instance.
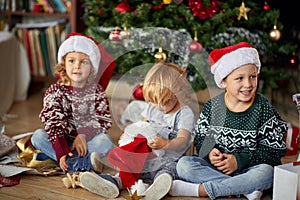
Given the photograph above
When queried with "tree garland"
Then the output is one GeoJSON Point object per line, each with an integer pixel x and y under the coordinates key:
{"type": "Point", "coordinates": [202, 11]}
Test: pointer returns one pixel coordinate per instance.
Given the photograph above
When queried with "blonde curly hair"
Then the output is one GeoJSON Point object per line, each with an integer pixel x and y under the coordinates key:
{"type": "Point", "coordinates": [163, 81]}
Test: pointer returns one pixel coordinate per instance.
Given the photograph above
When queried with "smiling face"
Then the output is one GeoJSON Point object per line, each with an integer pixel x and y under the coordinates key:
{"type": "Point", "coordinates": [78, 68]}
{"type": "Point", "coordinates": [241, 85]}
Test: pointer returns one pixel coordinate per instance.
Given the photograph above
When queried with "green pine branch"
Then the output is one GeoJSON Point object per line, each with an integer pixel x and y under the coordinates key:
{"type": "Point", "coordinates": [175, 17]}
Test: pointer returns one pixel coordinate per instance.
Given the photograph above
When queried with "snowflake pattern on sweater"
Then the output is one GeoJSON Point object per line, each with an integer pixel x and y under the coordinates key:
{"type": "Point", "coordinates": [254, 136]}
{"type": "Point", "coordinates": [68, 111]}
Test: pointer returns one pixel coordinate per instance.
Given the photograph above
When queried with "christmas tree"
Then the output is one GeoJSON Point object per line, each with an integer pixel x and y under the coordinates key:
{"type": "Point", "coordinates": [184, 32]}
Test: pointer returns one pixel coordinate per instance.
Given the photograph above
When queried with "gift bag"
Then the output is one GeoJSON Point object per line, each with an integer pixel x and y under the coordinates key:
{"type": "Point", "coordinates": [287, 182]}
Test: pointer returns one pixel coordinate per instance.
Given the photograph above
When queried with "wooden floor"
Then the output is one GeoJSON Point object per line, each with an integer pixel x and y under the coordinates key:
{"type": "Point", "coordinates": [23, 117]}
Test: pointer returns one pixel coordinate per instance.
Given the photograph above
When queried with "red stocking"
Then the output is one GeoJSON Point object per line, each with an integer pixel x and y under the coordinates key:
{"type": "Point", "coordinates": [130, 159]}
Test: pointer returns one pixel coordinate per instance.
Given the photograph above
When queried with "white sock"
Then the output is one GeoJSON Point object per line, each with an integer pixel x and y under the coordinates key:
{"type": "Point", "coordinates": [182, 188]}
{"type": "Point", "coordinates": [256, 195]}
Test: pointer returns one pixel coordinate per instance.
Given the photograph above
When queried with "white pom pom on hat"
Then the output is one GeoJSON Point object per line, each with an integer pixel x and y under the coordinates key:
{"type": "Point", "coordinates": [77, 42]}
{"type": "Point", "coordinates": [223, 61]}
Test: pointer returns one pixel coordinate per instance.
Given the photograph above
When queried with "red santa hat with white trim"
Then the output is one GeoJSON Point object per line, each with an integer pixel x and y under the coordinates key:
{"type": "Point", "coordinates": [223, 61]}
{"type": "Point", "coordinates": [77, 42]}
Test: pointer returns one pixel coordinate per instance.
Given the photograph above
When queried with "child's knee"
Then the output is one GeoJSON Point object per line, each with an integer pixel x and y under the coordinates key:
{"type": "Point", "coordinates": [266, 170]}
{"type": "Point", "coordinates": [183, 165]}
{"type": "Point", "coordinates": [37, 136]}
{"type": "Point", "coordinates": [106, 139]}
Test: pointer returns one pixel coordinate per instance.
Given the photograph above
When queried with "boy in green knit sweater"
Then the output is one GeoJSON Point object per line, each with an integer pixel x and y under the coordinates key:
{"type": "Point", "coordinates": [238, 136]}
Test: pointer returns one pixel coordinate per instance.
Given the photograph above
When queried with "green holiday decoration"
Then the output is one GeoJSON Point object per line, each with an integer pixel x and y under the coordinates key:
{"type": "Point", "coordinates": [151, 24]}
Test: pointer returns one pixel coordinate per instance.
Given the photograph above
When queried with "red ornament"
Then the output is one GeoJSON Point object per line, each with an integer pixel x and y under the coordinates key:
{"type": "Point", "coordinates": [100, 12]}
{"type": "Point", "coordinates": [195, 47]}
{"type": "Point", "coordinates": [158, 7]}
{"type": "Point", "coordinates": [266, 6]}
{"type": "Point", "coordinates": [294, 61]}
{"type": "Point", "coordinates": [201, 11]}
{"type": "Point", "coordinates": [123, 7]}
{"type": "Point", "coordinates": [138, 92]}
{"type": "Point", "coordinates": [115, 35]}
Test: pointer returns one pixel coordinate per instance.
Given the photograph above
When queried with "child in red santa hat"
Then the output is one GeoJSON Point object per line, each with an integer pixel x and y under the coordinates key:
{"type": "Point", "coordinates": [76, 112]}
{"type": "Point", "coordinates": [238, 136]}
{"type": "Point", "coordinates": [146, 157]}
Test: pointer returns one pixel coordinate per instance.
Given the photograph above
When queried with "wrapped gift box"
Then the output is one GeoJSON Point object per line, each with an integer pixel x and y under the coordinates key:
{"type": "Point", "coordinates": [291, 140]}
{"type": "Point", "coordinates": [287, 182]}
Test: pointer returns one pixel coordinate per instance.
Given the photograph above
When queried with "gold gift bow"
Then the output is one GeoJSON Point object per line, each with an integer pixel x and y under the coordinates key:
{"type": "Point", "coordinates": [27, 153]}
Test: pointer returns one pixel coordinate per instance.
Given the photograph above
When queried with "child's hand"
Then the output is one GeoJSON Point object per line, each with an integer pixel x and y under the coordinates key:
{"type": "Point", "coordinates": [62, 162]}
{"type": "Point", "coordinates": [158, 143]}
{"type": "Point", "coordinates": [80, 145]}
{"type": "Point", "coordinates": [228, 165]}
{"type": "Point", "coordinates": [215, 156]}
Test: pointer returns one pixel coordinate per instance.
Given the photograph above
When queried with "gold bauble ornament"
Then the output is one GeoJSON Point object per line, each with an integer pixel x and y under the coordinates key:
{"type": "Point", "coordinates": [125, 33]}
{"type": "Point", "coordinates": [275, 34]}
{"type": "Point", "coordinates": [160, 56]}
{"type": "Point", "coordinates": [167, 1]}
